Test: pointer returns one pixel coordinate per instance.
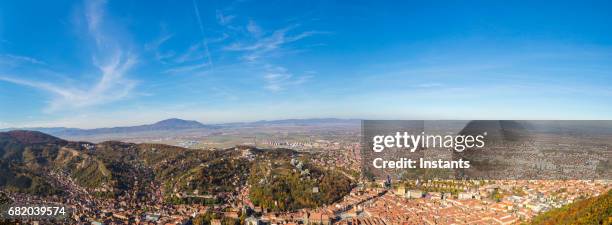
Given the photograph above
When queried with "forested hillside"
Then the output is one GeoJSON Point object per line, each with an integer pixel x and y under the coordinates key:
{"type": "Point", "coordinates": [596, 210]}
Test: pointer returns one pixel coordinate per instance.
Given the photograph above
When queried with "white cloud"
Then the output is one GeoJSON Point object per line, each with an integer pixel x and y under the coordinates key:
{"type": "Point", "coordinates": [155, 46]}
{"type": "Point", "coordinates": [278, 78]}
{"type": "Point", "coordinates": [152, 46]}
{"type": "Point", "coordinates": [429, 85]}
{"type": "Point", "coordinates": [63, 92]}
{"type": "Point", "coordinates": [111, 61]}
{"type": "Point", "coordinates": [94, 12]}
{"type": "Point", "coordinates": [267, 44]}
{"type": "Point", "coordinates": [201, 26]}
{"type": "Point", "coordinates": [254, 29]}
{"type": "Point", "coordinates": [17, 59]}
{"type": "Point", "coordinates": [261, 46]}
{"type": "Point", "coordinates": [163, 56]}
{"type": "Point", "coordinates": [187, 68]}
{"type": "Point", "coordinates": [224, 19]}
{"type": "Point", "coordinates": [177, 61]}
{"type": "Point", "coordinates": [110, 87]}
{"type": "Point", "coordinates": [194, 52]}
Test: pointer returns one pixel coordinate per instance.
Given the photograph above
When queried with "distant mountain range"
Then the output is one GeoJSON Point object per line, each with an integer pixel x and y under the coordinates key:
{"type": "Point", "coordinates": [180, 125]}
{"type": "Point", "coordinates": [295, 122]}
{"type": "Point", "coordinates": [164, 125]}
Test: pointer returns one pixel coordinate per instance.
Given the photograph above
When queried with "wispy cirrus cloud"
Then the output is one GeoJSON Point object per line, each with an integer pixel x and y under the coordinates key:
{"type": "Point", "coordinates": [18, 59]}
{"type": "Point", "coordinates": [193, 53]}
{"type": "Point", "coordinates": [197, 56]}
{"type": "Point", "coordinates": [69, 97]}
{"type": "Point", "coordinates": [110, 59]}
{"type": "Point", "coordinates": [223, 19]}
{"type": "Point", "coordinates": [201, 26]}
{"type": "Point", "coordinates": [187, 68]}
{"type": "Point", "coordinates": [94, 13]}
{"type": "Point", "coordinates": [278, 78]}
{"type": "Point", "coordinates": [251, 45]}
{"type": "Point", "coordinates": [254, 29]}
{"type": "Point", "coordinates": [262, 45]}
{"type": "Point", "coordinates": [193, 59]}
{"type": "Point", "coordinates": [155, 45]}
{"type": "Point", "coordinates": [255, 45]}
{"type": "Point", "coordinates": [429, 85]}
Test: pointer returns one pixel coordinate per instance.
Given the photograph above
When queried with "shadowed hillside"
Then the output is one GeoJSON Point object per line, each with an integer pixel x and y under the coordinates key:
{"type": "Point", "coordinates": [498, 131]}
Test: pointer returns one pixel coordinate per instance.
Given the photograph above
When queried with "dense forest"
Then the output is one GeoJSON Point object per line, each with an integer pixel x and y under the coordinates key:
{"type": "Point", "coordinates": [286, 182]}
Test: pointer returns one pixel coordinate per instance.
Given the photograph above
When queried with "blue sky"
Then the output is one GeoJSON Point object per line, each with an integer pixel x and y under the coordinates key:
{"type": "Point", "coordinates": [108, 63]}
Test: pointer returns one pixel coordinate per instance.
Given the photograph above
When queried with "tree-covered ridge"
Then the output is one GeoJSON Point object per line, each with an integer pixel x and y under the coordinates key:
{"type": "Point", "coordinates": [596, 210]}
{"type": "Point", "coordinates": [30, 162]}
{"type": "Point", "coordinates": [282, 180]}
{"type": "Point", "coordinates": [28, 158]}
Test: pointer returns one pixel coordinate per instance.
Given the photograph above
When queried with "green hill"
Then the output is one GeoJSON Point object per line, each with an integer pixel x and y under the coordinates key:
{"type": "Point", "coordinates": [31, 161]}
{"type": "Point", "coordinates": [29, 157]}
{"type": "Point", "coordinates": [596, 210]}
{"type": "Point", "coordinates": [283, 180]}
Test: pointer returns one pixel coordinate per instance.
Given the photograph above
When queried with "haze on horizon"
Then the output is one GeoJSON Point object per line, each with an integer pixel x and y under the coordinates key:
{"type": "Point", "coordinates": [97, 63]}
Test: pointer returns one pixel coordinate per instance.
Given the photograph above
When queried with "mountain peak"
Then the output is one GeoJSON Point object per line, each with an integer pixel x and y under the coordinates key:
{"type": "Point", "coordinates": [178, 123]}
